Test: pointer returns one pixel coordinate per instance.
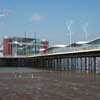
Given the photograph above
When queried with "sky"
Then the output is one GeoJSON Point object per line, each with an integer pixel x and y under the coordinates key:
{"type": "Point", "coordinates": [50, 19]}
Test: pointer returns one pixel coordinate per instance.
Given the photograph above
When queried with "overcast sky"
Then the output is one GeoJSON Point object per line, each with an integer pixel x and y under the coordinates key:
{"type": "Point", "coordinates": [49, 18]}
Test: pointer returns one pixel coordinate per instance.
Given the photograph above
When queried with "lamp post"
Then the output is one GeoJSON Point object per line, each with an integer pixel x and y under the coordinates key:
{"type": "Point", "coordinates": [35, 42]}
{"type": "Point", "coordinates": [69, 30]}
{"type": "Point", "coordinates": [85, 30]}
{"type": "Point", "coordinates": [25, 45]}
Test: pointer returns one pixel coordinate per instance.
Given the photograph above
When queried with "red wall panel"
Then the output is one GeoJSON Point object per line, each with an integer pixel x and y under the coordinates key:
{"type": "Point", "coordinates": [6, 47]}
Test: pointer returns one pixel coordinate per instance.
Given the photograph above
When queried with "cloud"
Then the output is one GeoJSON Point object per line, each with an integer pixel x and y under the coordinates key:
{"type": "Point", "coordinates": [4, 13]}
{"type": "Point", "coordinates": [36, 18]}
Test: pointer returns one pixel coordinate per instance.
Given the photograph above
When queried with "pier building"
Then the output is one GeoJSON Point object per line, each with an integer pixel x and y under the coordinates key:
{"type": "Point", "coordinates": [17, 46]}
{"type": "Point", "coordinates": [22, 46]}
{"type": "Point", "coordinates": [81, 45]}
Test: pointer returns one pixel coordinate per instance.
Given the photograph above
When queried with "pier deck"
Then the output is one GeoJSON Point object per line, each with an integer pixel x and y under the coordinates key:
{"type": "Point", "coordinates": [84, 60]}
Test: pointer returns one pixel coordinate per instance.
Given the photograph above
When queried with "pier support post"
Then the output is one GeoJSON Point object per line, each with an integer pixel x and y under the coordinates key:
{"type": "Point", "coordinates": [67, 63]}
{"type": "Point", "coordinates": [85, 63]}
{"type": "Point", "coordinates": [94, 64]}
{"type": "Point", "coordinates": [76, 63]}
{"type": "Point", "coordinates": [81, 63]}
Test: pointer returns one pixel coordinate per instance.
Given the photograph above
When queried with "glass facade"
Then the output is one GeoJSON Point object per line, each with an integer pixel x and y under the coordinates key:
{"type": "Point", "coordinates": [24, 46]}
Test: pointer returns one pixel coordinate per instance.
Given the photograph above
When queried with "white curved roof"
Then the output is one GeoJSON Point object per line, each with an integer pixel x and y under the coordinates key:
{"type": "Point", "coordinates": [59, 46]}
{"type": "Point", "coordinates": [42, 49]}
{"type": "Point", "coordinates": [82, 42]}
{"type": "Point", "coordinates": [6, 37]}
{"type": "Point", "coordinates": [44, 40]}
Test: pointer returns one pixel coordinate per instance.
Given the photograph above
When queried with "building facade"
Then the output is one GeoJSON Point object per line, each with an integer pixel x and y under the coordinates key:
{"type": "Point", "coordinates": [6, 46]}
{"type": "Point", "coordinates": [17, 46]}
{"type": "Point", "coordinates": [44, 46]}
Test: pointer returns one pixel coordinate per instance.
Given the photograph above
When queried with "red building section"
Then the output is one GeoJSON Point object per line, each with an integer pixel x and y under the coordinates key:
{"type": "Point", "coordinates": [45, 45]}
{"type": "Point", "coordinates": [6, 47]}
